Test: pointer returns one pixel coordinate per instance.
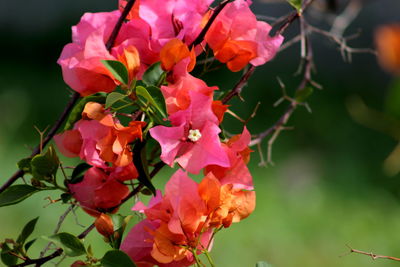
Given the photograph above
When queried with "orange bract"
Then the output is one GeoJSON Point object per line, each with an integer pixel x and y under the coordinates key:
{"type": "Point", "coordinates": [237, 54]}
{"type": "Point", "coordinates": [130, 58]}
{"type": "Point", "coordinates": [219, 109]}
{"type": "Point", "coordinates": [175, 51]}
{"type": "Point", "coordinates": [225, 204]}
{"type": "Point", "coordinates": [387, 39]}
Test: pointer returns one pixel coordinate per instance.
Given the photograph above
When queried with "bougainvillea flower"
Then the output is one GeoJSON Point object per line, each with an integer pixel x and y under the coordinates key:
{"type": "Point", "coordinates": [98, 191]}
{"type": "Point", "coordinates": [180, 83]}
{"type": "Point", "coordinates": [237, 38]}
{"type": "Point", "coordinates": [136, 33]}
{"type": "Point", "coordinates": [183, 219]}
{"type": "Point", "coordinates": [173, 19]}
{"type": "Point", "coordinates": [81, 60]}
{"type": "Point", "coordinates": [100, 138]}
{"type": "Point", "coordinates": [175, 221]}
{"type": "Point", "coordinates": [239, 155]}
{"type": "Point", "coordinates": [387, 39]}
{"type": "Point", "coordinates": [225, 204]}
{"type": "Point", "coordinates": [193, 140]}
{"type": "Point", "coordinates": [174, 52]}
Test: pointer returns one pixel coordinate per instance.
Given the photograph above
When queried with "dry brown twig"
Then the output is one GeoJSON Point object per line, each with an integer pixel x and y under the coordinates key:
{"type": "Point", "coordinates": [338, 28]}
{"type": "Point", "coordinates": [372, 255]}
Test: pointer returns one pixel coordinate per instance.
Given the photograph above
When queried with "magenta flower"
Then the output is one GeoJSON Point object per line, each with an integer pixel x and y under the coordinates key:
{"type": "Point", "coordinates": [81, 60]}
{"type": "Point", "coordinates": [172, 19]}
{"type": "Point", "coordinates": [193, 140]}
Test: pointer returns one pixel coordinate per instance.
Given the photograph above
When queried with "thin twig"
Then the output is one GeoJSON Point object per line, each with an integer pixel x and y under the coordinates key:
{"type": "Point", "coordinates": [372, 255]}
{"type": "Point", "coordinates": [117, 27]}
{"type": "Point", "coordinates": [40, 261]}
{"type": "Point", "coordinates": [86, 232]}
{"type": "Point", "coordinates": [278, 126]}
{"type": "Point", "coordinates": [342, 22]}
{"type": "Point", "coordinates": [345, 50]}
{"type": "Point", "coordinates": [237, 89]}
{"type": "Point", "coordinates": [214, 15]}
{"type": "Point", "coordinates": [58, 226]}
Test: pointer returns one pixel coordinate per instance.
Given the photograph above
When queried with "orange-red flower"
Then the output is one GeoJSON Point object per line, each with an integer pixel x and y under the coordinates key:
{"type": "Point", "coordinates": [99, 138]}
{"type": "Point", "coordinates": [387, 39]}
{"type": "Point", "coordinates": [237, 38]}
{"type": "Point", "coordinates": [181, 222]}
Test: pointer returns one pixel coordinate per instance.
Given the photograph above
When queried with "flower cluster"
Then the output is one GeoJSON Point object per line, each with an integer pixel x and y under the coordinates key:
{"type": "Point", "coordinates": [177, 109]}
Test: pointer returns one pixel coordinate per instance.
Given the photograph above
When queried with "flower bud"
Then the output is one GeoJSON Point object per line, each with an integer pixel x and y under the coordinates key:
{"type": "Point", "coordinates": [78, 263]}
{"type": "Point", "coordinates": [104, 225]}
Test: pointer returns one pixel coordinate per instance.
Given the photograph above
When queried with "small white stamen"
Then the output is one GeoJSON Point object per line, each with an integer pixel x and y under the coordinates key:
{"type": "Point", "coordinates": [194, 135]}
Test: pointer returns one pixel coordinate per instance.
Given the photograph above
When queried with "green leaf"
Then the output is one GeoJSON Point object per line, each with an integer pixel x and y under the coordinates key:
{"type": "Point", "coordinates": [27, 231]}
{"type": "Point", "coordinates": [29, 244]}
{"type": "Point", "coordinates": [159, 104]}
{"type": "Point", "coordinates": [114, 97]}
{"type": "Point", "coordinates": [116, 258]}
{"type": "Point", "coordinates": [118, 70]}
{"type": "Point", "coordinates": [25, 165]}
{"type": "Point", "coordinates": [76, 113]}
{"type": "Point", "coordinates": [159, 99]}
{"type": "Point", "coordinates": [71, 245]}
{"type": "Point", "coordinates": [153, 75]}
{"type": "Point", "coordinates": [263, 264]}
{"type": "Point", "coordinates": [303, 94]}
{"type": "Point", "coordinates": [79, 172]}
{"type": "Point", "coordinates": [296, 4]}
{"type": "Point", "coordinates": [16, 193]}
{"type": "Point", "coordinates": [7, 258]}
{"type": "Point", "coordinates": [45, 165]}
{"type": "Point", "coordinates": [118, 221]}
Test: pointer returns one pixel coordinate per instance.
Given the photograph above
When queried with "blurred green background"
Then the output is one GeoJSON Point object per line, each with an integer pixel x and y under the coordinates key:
{"type": "Point", "coordinates": [327, 188]}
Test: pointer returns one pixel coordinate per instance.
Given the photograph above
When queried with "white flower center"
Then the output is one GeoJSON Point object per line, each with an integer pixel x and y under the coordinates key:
{"type": "Point", "coordinates": [194, 135]}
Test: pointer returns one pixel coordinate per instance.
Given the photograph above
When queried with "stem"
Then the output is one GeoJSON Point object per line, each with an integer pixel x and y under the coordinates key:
{"type": "Point", "coordinates": [118, 26]}
{"type": "Point", "coordinates": [196, 258]}
{"type": "Point", "coordinates": [209, 258]}
{"type": "Point", "coordinates": [203, 32]}
{"type": "Point", "coordinates": [60, 222]}
{"type": "Point", "coordinates": [41, 261]}
{"type": "Point", "coordinates": [372, 255]}
{"type": "Point", "coordinates": [239, 86]}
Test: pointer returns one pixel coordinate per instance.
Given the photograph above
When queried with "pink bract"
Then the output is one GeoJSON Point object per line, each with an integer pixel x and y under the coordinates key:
{"type": "Point", "coordinates": [176, 93]}
{"type": "Point", "coordinates": [237, 174]}
{"type": "Point", "coordinates": [175, 141]}
{"type": "Point", "coordinates": [172, 19]}
{"type": "Point", "coordinates": [81, 60]}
